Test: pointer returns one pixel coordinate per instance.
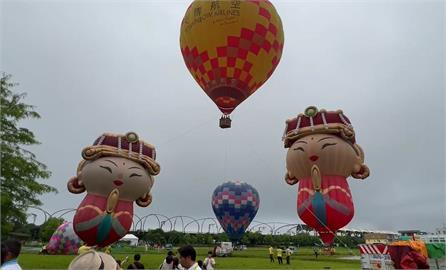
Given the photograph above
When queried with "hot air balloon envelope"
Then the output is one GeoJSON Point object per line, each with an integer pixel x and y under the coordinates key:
{"type": "Point", "coordinates": [322, 153]}
{"type": "Point", "coordinates": [235, 205]}
{"type": "Point", "coordinates": [231, 48]}
{"type": "Point", "coordinates": [64, 240]}
{"type": "Point", "coordinates": [117, 170]}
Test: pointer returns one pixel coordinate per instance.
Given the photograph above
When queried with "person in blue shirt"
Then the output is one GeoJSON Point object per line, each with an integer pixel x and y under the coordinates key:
{"type": "Point", "coordinates": [13, 248]}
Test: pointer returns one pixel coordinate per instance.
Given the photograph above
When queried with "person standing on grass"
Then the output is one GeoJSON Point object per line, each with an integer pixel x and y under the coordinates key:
{"type": "Point", "coordinates": [169, 253]}
{"type": "Point", "coordinates": [209, 262]}
{"type": "Point", "coordinates": [136, 263]}
{"type": "Point", "coordinates": [288, 255]}
{"type": "Point", "coordinates": [316, 251]}
{"type": "Point", "coordinates": [13, 248]}
{"type": "Point", "coordinates": [271, 254]}
{"type": "Point", "coordinates": [279, 255]}
{"type": "Point", "coordinates": [168, 263]}
{"type": "Point", "coordinates": [188, 256]}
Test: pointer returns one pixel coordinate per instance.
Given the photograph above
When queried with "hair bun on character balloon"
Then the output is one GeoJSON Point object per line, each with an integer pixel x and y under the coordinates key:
{"type": "Point", "coordinates": [127, 146]}
{"type": "Point", "coordinates": [314, 121]}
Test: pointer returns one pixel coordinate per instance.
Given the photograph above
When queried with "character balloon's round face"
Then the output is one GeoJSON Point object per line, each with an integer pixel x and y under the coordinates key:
{"type": "Point", "coordinates": [333, 156]}
{"type": "Point", "coordinates": [102, 175]}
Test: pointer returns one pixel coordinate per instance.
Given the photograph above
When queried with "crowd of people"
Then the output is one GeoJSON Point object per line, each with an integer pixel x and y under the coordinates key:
{"type": "Point", "coordinates": [186, 260]}
{"type": "Point", "coordinates": [280, 253]}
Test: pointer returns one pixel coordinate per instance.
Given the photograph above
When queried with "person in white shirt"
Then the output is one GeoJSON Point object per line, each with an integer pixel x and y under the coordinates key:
{"type": "Point", "coordinates": [167, 264]}
{"type": "Point", "coordinates": [288, 255]}
{"type": "Point", "coordinates": [12, 248]}
{"type": "Point", "coordinates": [188, 256]}
{"type": "Point", "coordinates": [209, 262]}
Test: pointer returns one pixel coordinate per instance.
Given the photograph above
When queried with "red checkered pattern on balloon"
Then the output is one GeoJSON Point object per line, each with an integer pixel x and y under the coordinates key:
{"type": "Point", "coordinates": [233, 58]}
{"type": "Point", "coordinates": [234, 200]}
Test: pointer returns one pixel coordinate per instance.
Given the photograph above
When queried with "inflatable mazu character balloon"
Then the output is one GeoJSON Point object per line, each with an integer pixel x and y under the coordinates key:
{"type": "Point", "coordinates": [117, 170]}
{"type": "Point", "coordinates": [64, 240]}
{"type": "Point", "coordinates": [235, 205]}
{"type": "Point", "coordinates": [322, 153]}
{"type": "Point", "coordinates": [231, 48]}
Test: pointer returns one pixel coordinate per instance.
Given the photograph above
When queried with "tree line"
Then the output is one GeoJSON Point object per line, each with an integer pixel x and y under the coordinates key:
{"type": "Point", "coordinates": [176, 238]}
{"type": "Point", "coordinates": [43, 233]}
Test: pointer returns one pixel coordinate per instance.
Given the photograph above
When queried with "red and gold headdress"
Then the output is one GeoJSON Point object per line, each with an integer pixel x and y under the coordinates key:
{"type": "Point", "coordinates": [127, 146]}
{"type": "Point", "coordinates": [318, 121]}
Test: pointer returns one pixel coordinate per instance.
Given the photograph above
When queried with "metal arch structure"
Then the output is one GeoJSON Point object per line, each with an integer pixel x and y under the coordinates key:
{"type": "Point", "coordinates": [181, 218]}
{"type": "Point", "coordinates": [276, 224]}
{"type": "Point", "coordinates": [214, 220]}
{"type": "Point", "coordinates": [139, 223]}
{"type": "Point", "coordinates": [161, 222]}
{"type": "Point", "coordinates": [65, 211]}
{"type": "Point", "coordinates": [292, 227]}
{"type": "Point", "coordinates": [134, 224]}
{"type": "Point", "coordinates": [194, 221]}
{"type": "Point", "coordinates": [47, 215]}
{"type": "Point", "coordinates": [164, 222]}
{"type": "Point", "coordinates": [270, 225]}
{"type": "Point", "coordinates": [297, 227]}
{"type": "Point", "coordinates": [258, 225]}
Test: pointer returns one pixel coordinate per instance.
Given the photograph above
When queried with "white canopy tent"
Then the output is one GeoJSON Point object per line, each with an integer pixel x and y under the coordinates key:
{"type": "Point", "coordinates": [131, 239]}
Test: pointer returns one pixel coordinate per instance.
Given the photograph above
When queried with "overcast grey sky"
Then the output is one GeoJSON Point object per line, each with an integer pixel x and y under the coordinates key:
{"type": "Point", "coordinates": [114, 66]}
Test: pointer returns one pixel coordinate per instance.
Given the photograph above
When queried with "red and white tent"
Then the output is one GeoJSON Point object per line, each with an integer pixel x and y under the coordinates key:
{"type": "Point", "coordinates": [373, 249]}
{"type": "Point", "coordinates": [375, 256]}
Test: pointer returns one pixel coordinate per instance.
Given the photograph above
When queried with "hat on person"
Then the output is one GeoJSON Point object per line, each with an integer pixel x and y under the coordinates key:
{"type": "Point", "coordinates": [93, 260]}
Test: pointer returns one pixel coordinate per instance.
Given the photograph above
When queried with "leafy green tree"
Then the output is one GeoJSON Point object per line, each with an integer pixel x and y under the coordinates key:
{"type": "Point", "coordinates": [20, 169]}
{"type": "Point", "coordinates": [155, 236]}
{"type": "Point", "coordinates": [31, 230]}
{"type": "Point", "coordinates": [47, 229]}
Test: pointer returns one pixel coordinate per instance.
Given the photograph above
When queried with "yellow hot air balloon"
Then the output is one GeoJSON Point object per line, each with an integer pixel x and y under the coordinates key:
{"type": "Point", "coordinates": [231, 48]}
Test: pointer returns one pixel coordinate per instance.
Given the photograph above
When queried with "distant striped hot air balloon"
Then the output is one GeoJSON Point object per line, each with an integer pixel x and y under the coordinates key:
{"type": "Point", "coordinates": [231, 48]}
{"type": "Point", "coordinates": [235, 205]}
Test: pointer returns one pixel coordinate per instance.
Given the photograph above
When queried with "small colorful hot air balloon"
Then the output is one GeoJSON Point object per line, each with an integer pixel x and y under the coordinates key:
{"type": "Point", "coordinates": [235, 205]}
{"type": "Point", "coordinates": [231, 48]}
{"type": "Point", "coordinates": [117, 170]}
{"type": "Point", "coordinates": [64, 240]}
{"type": "Point", "coordinates": [322, 154]}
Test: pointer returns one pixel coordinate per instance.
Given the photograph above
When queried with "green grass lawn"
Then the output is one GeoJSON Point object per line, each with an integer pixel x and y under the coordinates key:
{"type": "Point", "coordinates": [252, 258]}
